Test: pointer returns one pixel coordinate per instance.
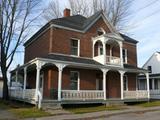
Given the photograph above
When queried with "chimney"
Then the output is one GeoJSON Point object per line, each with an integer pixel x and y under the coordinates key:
{"type": "Point", "coordinates": [66, 12]}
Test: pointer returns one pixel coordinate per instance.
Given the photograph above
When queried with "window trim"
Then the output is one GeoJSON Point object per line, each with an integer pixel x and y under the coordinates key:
{"type": "Point", "coordinates": [126, 56]}
{"type": "Point", "coordinates": [78, 81]}
{"type": "Point", "coordinates": [78, 54]}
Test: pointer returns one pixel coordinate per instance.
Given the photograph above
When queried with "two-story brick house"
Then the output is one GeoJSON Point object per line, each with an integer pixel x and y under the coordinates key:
{"type": "Point", "coordinates": [75, 59]}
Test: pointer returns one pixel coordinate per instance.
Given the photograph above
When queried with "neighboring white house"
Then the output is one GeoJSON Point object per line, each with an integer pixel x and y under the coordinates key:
{"type": "Point", "coordinates": [153, 66]}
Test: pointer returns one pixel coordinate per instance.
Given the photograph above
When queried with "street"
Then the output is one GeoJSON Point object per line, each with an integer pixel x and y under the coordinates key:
{"type": "Point", "coordinates": [134, 116]}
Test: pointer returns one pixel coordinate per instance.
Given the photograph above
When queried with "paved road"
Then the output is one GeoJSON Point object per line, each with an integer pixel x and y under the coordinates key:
{"type": "Point", "coordinates": [135, 116]}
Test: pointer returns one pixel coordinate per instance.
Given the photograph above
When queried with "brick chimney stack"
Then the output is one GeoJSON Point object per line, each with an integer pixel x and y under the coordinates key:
{"type": "Point", "coordinates": [66, 12]}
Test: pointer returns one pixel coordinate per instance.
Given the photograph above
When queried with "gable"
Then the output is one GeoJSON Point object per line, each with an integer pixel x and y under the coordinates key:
{"type": "Point", "coordinates": [153, 61]}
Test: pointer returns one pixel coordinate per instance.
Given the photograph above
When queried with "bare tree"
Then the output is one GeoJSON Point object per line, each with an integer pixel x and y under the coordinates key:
{"type": "Point", "coordinates": [52, 11]}
{"type": "Point", "coordinates": [16, 17]}
{"type": "Point", "coordinates": [116, 10]}
{"type": "Point", "coordinates": [80, 7]}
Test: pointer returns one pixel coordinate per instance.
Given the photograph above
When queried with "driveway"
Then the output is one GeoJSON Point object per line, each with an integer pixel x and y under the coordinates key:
{"type": "Point", "coordinates": [134, 116]}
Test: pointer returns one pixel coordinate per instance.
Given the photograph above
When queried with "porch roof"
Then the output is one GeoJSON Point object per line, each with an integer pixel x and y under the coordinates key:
{"type": "Point", "coordinates": [81, 62]}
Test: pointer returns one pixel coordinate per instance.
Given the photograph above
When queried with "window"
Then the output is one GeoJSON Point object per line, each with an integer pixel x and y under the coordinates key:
{"type": "Point", "coordinates": [100, 49]}
{"type": "Point", "coordinates": [125, 83]}
{"type": "Point", "coordinates": [100, 31]}
{"type": "Point", "coordinates": [74, 47]}
{"type": "Point", "coordinates": [124, 55]}
{"type": "Point", "coordinates": [149, 69]}
{"type": "Point", "coordinates": [74, 80]}
{"type": "Point", "coordinates": [157, 84]}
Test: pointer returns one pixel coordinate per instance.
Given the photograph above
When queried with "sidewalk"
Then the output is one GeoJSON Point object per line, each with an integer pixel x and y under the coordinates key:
{"type": "Point", "coordinates": [101, 114]}
{"type": "Point", "coordinates": [6, 115]}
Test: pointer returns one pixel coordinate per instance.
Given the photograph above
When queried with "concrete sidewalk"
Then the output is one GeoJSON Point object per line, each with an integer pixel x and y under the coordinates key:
{"type": "Point", "coordinates": [101, 114]}
{"type": "Point", "coordinates": [6, 115]}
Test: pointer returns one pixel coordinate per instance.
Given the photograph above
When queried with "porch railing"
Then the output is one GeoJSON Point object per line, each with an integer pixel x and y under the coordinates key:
{"type": "Point", "coordinates": [113, 60]}
{"type": "Point", "coordinates": [154, 92]}
{"type": "Point", "coordinates": [22, 94]}
{"type": "Point", "coordinates": [82, 95]}
{"type": "Point", "coordinates": [135, 94]}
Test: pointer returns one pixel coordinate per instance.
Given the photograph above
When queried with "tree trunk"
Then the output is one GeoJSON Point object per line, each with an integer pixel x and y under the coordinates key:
{"type": "Point", "coordinates": [5, 85]}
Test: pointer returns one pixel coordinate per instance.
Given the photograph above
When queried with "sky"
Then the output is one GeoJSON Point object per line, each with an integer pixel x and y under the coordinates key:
{"type": "Point", "coordinates": [143, 26]}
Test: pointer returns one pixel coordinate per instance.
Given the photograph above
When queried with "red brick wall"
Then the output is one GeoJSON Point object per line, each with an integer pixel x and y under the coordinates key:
{"type": "Point", "coordinates": [131, 81]}
{"type": "Point", "coordinates": [58, 41]}
{"type": "Point", "coordinates": [38, 48]}
{"type": "Point", "coordinates": [132, 53]}
{"type": "Point", "coordinates": [61, 39]}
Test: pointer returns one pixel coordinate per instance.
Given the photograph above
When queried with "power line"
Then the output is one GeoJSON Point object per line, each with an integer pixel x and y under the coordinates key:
{"type": "Point", "coordinates": [148, 5]}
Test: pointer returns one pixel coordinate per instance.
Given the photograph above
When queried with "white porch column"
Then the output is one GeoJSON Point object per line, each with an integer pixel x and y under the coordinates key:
{"type": "Point", "coordinates": [122, 84]}
{"type": "Point", "coordinates": [147, 77]}
{"type": "Point", "coordinates": [121, 53]}
{"type": "Point", "coordinates": [38, 67]}
{"type": "Point", "coordinates": [104, 52]}
{"type": "Point", "coordinates": [104, 81]}
{"type": "Point", "coordinates": [24, 82]}
{"type": "Point", "coordinates": [60, 70]}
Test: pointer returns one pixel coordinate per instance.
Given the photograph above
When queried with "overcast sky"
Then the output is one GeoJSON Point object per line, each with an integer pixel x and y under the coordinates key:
{"type": "Point", "coordinates": [144, 26]}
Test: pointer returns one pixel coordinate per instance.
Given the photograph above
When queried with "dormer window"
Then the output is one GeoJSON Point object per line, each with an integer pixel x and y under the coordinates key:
{"type": "Point", "coordinates": [100, 31]}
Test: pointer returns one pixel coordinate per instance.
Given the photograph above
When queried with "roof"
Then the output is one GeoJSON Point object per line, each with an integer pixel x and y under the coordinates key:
{"type": "Point", "coordinates": [127, 66]}
{"type": "Point", "coordinates": [76, 22]}
{"type": "Point", "coordinates": [71, 59]}
{"type": "Point", "coordinates": [157, 75]}
{"type": "Point", "coordinates": [128, 39]}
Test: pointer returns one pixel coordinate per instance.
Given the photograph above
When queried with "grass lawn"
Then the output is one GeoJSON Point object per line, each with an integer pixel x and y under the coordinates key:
{"type": "Point", "coordinates": [88, 109]}
{"type": "Point", "coordinates": [21, 110]}
{"type": "Point", "coordinates": [149, 104]}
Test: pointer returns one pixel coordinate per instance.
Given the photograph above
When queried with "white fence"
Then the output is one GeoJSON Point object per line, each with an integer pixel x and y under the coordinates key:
{"type": "Point", "coordinates": [82, 95]}
{"type": "Point", "coordinates": [135, 94]}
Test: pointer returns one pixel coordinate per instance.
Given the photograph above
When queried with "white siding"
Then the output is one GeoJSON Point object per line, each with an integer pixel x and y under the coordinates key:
{"type": "Point", "coordinates": [154, 61]}
{"type": "Point", "coordinates": [1, 89]}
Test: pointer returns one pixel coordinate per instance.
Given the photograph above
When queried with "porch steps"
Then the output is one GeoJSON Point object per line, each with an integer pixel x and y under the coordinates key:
{"type": "Point", "coordinates": [51, 105]}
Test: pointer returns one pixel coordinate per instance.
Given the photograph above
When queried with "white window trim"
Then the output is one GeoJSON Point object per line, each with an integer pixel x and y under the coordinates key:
{"type": "Point", "coordinates": [126, 56]}
{"type": "Point", "coordinates": [126, 82]}
{"type": "Point", "coordinates": [78, 46]}
{"type": "Point", "coordinates": [78, 82]}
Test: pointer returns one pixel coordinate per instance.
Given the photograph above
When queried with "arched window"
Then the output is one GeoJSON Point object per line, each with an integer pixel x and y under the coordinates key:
{"type": "Point", "coordinates": [100, 31]}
